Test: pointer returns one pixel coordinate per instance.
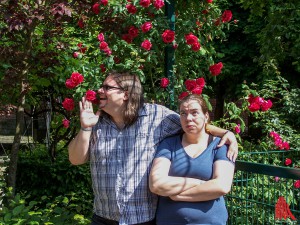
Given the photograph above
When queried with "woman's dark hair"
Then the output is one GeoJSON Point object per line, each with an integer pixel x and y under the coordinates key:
{"type": "Point", "coordinates": [132, 84]}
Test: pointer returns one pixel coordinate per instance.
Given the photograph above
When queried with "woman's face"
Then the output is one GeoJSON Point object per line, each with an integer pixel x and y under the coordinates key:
{"type": "Point", "coordinates": [192, 118]}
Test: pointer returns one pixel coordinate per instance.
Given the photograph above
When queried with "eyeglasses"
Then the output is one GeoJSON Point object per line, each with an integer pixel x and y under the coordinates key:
{"type": "Point", "coordinates": [106, 87]}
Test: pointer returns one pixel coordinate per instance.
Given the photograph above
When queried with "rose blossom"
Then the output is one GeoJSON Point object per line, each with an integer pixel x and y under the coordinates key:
{"type": "Point", "coordinates": [209, 1]}
{"type": "Point", "coordinates": [76, 78]}
{"type": "Point", "coordinates": [104, 2]}
{"type": "Point", "coordinates": [253, 107]}
{"type": "Point", "coordinates": [288, 162]}
{"type": "Point", "coordinates": [297, 184]}
{"type": "Point", "coordinates": [96, 8]}
{"type": "Point", "coordinates": [191, 39]}
{"type": "Point", "coordinates": [158, 4]}
{"type": "Point", "coordinates": [103, 68]}
{"type": "Point", "coordinates": [183, 94]}
{"type": "Point", "coordinates": [216, 69]}
{"type": "Point", "coordinates": [190, 84]}
{"type": "Point", "coordinates": [285, 145]}
{"type": "Point", "coordinates": [146, 45]}
{"type": "Point", "coordinates": [101, 37]}
{"type": "Point", "coordinates": [266, 105]}
{"type": "Point", "coordinates": [200, 82]}
{"type": "Point", "coordinates": [103, 45]}
{"type": "Point", "coordinates": [276, 179]}
{"type": "Point", "coordinates": [68, 104]}
{"type": "Point", "coordinates": [197, 90]}
{"type": "Point", "coordinates": [133, 31]}
{"type": "Point", "coordinates": [127, 38]}
{"type": "Point", "coordinates": [238, 128]}
{"type": "Point", "coordinates": [145, 3]}
{"type": "Point", "coordinates": [70, 84]}
{"type": "Point", "coordinates": [66, 123]}
{"type": "Point", "coordinates": [80, 23]}
{"type": "Point", "coordinates": [226, 16]}
{"type": "Point", "coordinates": [90, 95]}
{"type": "Point", "coordinates": [164, 82]}
{"type": "Point", "coordinates": [168, 36]}
{"type": "Point", "coordinates": [131, 9]}
{"type": "Point", "coordinates": [107, 51]}
{"type": "Point", "coordinates": [146, 27]}
{"type": "Point", "coordinates": [196, 46]}
{"type": "Point", "coordinates": [75, 54]}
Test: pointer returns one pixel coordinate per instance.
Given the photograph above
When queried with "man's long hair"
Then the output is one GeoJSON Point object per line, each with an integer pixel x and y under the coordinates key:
{"type": "Point", "coordinates": [132, 84]}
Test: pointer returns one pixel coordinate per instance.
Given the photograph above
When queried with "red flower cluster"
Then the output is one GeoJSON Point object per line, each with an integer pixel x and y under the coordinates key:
{"type": "Point", "coordinates": [258, 103]}
{"type": "Point", "coordinates": [216, 69]}
{"type": "Point", "coordinates": [192, 40]}
{"type": "Point", "coordinates": [81, 50]}
{"type": "Point", "coordinates": [278, 141]}
{"type": "Point", "coordinates": [68, 104]}
{"type": "Point", "coordinates": [164, 82]}
{"type": "Point", "coordinates": [96, 6]}
{"type": "Point", "coordinates": [103, 45]}
{"type": "Point", "coordinates": [193, 86]}
{"type": "Point", "coordinates": [74, 80]}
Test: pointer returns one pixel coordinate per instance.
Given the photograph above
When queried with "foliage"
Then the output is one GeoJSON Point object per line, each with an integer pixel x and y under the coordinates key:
{"type": "Point", "coordinates": [46, 178]}
{"type": "Point", "coordinates": [60, 210]}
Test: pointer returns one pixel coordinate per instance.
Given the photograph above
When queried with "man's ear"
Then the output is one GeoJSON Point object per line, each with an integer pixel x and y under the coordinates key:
{"type": "Point", "coordinates": [125, 95]}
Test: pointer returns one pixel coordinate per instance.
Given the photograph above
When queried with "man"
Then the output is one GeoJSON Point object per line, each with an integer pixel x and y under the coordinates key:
{"type": "Point", "coordinates": [120, 142]}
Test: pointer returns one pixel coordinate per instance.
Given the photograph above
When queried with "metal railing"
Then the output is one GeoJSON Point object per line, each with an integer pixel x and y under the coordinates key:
{"type": "Point", "coordinates": [256, 189]}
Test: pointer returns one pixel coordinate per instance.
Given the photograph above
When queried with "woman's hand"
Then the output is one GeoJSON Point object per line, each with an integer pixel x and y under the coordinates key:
{"type": "Point", "coordinates": [230, 139]}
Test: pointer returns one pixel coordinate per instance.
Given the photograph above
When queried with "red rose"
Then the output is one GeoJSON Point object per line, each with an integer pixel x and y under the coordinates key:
{"type": "Point", "coordinates": [226, 16]}
{"type": "Point", "coordinates": [286, 145]}
{"type": "Point", "coordinates": [146, 45]}
{"type": "Point", "coordinates": [76, 78]}
{"type": "Point", "coordinates": [68, 104]}
{"type": "Point", "coordinates": [90, 95]}
{"type": "Point", "coordinates": [107, 51]}
{"type": "Point", "coordinates": [101, 37]}
{"type": "Point", "coordinates": [190, 84]}
{"type": "Point", "coordinates": [197, 90]}
{"type": "Point", "coordinates": [164, 82]}
{"type": "Point", "coordinates": [216, 69]}
{"type": "Point", "coordinates": [191, 39]}
{"type": "Point", "coordinates": [66, 123]}
{"type": "Point", "coordinates": [80, 23]}
{"type": "Point", "coordinates": [103, 45]}
{"type": "Point", "coordinates": [253, 107]}
{"type": "Point", "coordinates": [200, 81]}
{"type": "Point", "coordinates": [127, 38]}
{"type": "Point", "coordinates": [237, 128]}
{"type": "Point", "coordinates": [75, 54]}
{"type": "Point", "coordinates": [70, 84]}
{"type": "Point", "coordinates": [133, 31]}
{"type": "Point", "coordinates": [266, 105]}
{"type": "Point", "coordinates": [96, 8]}
{"type": "Point", "coordinates": [104, 2]}
{"type": "Point", "coordinates": [168, 36]}
{"type": "Point", "coordinates": [288, 162]}
{"type": "Point", "coordinates": [146, 27]}
{"type": "Point", "coordinates": [297, 184]}
{"type": "Point", "coordinates": [145, 3]}
{"type": "Point", "coordinates": [131, 8]}
{"type": "Point", "coordinates": [209, 1]}
{"type": "Point", "coordinates": [183, 95]}
{"type": "Point", "coordinates": [196, 46]}
{"type": "Point", "coordinates": [103, 68]}
{"type": "Point", "coordinates": [158, 4]}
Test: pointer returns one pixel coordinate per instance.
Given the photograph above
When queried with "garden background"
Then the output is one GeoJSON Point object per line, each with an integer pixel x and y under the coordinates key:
{"type": "Point", "coordinates": [242, 56]}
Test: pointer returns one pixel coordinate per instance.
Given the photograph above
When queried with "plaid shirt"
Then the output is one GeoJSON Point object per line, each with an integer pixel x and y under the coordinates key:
{"type": "Point", "coordinates": [121, 161]}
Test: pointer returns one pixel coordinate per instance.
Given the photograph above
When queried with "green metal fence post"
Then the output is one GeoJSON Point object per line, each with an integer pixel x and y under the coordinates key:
{"type": "Point", "coordinates": [170, 53]}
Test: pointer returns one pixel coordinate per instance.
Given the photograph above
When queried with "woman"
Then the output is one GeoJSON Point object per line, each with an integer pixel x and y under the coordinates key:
{"type": "Point", "coordinates": [190, 173]}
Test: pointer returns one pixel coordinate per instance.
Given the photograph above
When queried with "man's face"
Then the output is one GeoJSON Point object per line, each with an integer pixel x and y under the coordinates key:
{"type": "Point", "coordinates": [112, 96]}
